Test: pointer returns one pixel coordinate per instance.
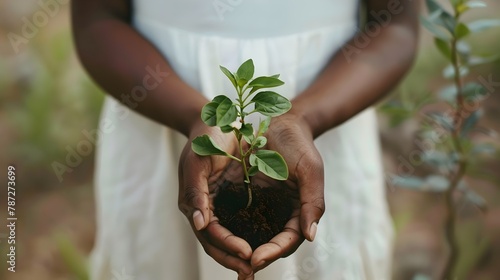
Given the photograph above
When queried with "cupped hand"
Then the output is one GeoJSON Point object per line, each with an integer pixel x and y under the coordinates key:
{"type": "Point", "coordinates": [199, 178]}
{"type": "Point", "coordinates": [291, 137]}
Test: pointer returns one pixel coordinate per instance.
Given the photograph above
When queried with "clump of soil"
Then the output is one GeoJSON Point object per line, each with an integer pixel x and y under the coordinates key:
{"type": "Point", "coordinates": [262, 220]}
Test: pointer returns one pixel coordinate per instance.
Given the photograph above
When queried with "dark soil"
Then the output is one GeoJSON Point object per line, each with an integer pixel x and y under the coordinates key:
{"type": "Point", "coordinates": [265, 218]}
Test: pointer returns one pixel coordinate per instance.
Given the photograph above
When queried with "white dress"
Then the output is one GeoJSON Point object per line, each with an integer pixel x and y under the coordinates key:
{"type": "Point", "coordinates": [141, 234]}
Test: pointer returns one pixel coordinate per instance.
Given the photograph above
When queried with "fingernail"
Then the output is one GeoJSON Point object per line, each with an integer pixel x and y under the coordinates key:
{"type": "Point", "coordinates": [242, 256]}
{"type": "Point", "coordinates": [261, 263]}
{"type": "Point", "coordinates": [198, 220]}
{"type": "Point", "coordinates": [312, 230]}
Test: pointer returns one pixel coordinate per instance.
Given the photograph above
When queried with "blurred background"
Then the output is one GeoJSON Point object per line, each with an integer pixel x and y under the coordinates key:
{"type": "Point", "coordinates": [48, 103]}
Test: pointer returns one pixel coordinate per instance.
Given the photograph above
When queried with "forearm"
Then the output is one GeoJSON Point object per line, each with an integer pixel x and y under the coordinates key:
{"type": "Point", "coordinates": [132, 70]}
{"type": "Point", "coordinates": [352, 82]}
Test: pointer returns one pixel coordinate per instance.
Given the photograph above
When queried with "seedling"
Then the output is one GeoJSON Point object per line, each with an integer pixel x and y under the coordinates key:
{"type": "Point", "coordinates": [230, 117]}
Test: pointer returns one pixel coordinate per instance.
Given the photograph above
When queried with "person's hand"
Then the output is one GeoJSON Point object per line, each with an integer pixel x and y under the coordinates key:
{"type": "Point", "coordinates": [291, 137]}
{"type": "Point", "coordinates": [199, 178]}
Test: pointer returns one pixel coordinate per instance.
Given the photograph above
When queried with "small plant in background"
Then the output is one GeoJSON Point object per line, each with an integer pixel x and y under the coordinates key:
{"type": "Point", "coordinates": [455, 127]}
{"type": "Point", "coordinates": [253, 212]}
{"type": "Point", "coordinates": [230, 117]}
{"type": "Point", "coordinates": [45, 96]}
{"type": "Point", "coordinates": [72, 258]}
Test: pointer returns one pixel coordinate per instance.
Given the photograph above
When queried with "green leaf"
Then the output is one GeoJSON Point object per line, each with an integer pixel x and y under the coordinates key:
{"type": "Point", "coordinates": [264, 82]}
{"type": "Point", "coordinates": [443, 47]}
{"type": "Point", "coordinates": [436, 183]}
{"type": "Point", "coordinates": [433, 183]}
{"type": "Point", "coordinates": [219, 98]}
{"type": "Point", "coordinates": [407, 182]}
{"type": "Point", "coordinates": [270, 163]}
{"type": "Point", "coordinates": [261, 141]}
{"type": "Point", "coordinates": [456, 3]}
{"type": "Point", "coordinates": [473, 90]}
{"type": "Point", "coordinates": [252, 171]}
{"type": "Point", "coordinates": [444, 19]}
{"type": "Point", "coordinates": [478, 60]}
{"type": "Point", "coordinates": [476, 4]}
{"type": "Point", "coordinates": [209, 112]}
{"type": "Point", "coordinates": [470, 91]}
{"type": "Point", "coordinates": [226, 128]}
{"type": "Point", "coordinates": [205, 146]}
{"type": "Point", "coordinates": [435, 30]}
{"type": "Point", "coordinates": [470, 122]}
{"type": "Point", "coordinates": [483, 24]}
{"type": "Point", "coordinates": [218, 111]}
{"type": "Point", "coordinates": [483, 149]}
{"type": "Point", "coordinates": [433, 6]}
{"type": "Point", "coordinates": [249, 139]}
{"type": "Point", "coordinates": [421, 276]}
{"type": "Point", "coordinates": [448, 93]}
{"type": "Point", "coordinates": [226, 112]}
{"type": "Point", "coordinates": [241, 82]}
{"type": "Point", "coordinates": [245, 72]}
{"type": "Point", "coordinates": [275, 76]}
{"type": "Point", "coordinates": [441, 119]}
{"type": "Point", "coordinates": [449, 71]}
{"type": "Point", "coordinates": [71, 256]}
{"type": "Point", "coordinates": [461, 31]}
{"type": "Point", "coordinates": [463, 49]}
{"type": "Point", "coordinates": [439, 159]}
{"type": "Point", "coordinates": [475, 199]}
{"type": "Point", "coordinates": [228, 74]}
{"type": "Point", "coordinates": [462, 8]}
{"type": "Point", "coordinates": [267, 82]}
{"type": "Point", "coordinates": [264, 126]}
{"type": "Point", "coordinates": [271, 104]}
{"type": "Point", "coordinates": [490, 133]}
{"type": "Point", "coordinates": [246, 129]}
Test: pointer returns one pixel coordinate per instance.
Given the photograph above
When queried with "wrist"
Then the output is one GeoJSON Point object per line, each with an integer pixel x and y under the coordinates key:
{"type": "Point", "coordinates": [196, 128]}
{"type": "Point", "coordinates": [308, 117]}
{"type": "Point", "coordinates": [191, 119]}
{"type": "Point", "coordinates": [296, 118]}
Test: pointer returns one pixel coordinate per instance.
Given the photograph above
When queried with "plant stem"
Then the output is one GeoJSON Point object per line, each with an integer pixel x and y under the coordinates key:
{"type": "Point", "coordinates": [250, 197]}
{"type": "Point", "coordinates": [450, 220]}
{"type": "Point", "coordinates": [233, 157]}
{"type": "Point", "coordinates": [240, 144]}
{"type": "Point", "coordinates": [243, 163]}
{"type": "Point", "coordinates": [450, 223]}
{"type": "Point", "coordinates": [245, 171]}
{"type": "Point", "coordinates": [245, 99]}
